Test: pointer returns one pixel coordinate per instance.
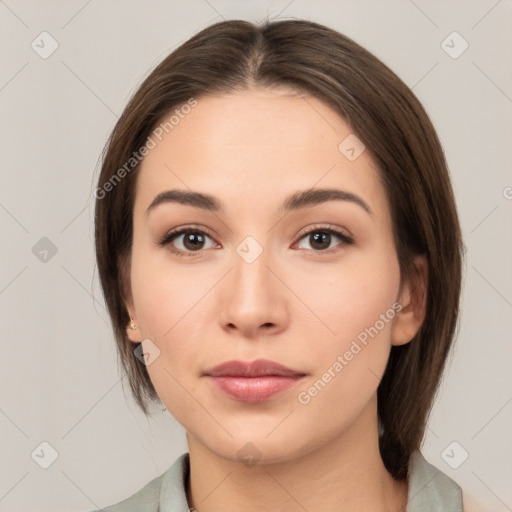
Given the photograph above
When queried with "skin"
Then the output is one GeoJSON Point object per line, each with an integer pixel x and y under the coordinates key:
{"type": "Point", "coordinates": [295, 304]}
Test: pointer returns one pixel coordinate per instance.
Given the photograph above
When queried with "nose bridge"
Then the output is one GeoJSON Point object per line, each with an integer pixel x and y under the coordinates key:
{"type": "Point", "coordinates": [251, 274]}
{"type": "Point", "coordinates": [251, 297]}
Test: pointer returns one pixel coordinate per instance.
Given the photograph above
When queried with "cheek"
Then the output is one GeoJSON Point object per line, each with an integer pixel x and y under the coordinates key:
{"type": "Point", "coordinates": [345, 300]}
{"type": "Point", "coordinates": [352, 361]}
{"type": "Point", "coordinates": [168, 304]}
{"type": "Point", "coordinates": [163, 293]}
{"type": "Point", "coordinates": [174, 387]}
{"type": "Point", "coordinates": [355, 305]}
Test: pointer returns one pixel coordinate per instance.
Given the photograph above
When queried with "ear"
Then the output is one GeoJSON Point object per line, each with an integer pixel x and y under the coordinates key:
{"type": "Point", "coordinates": [134, 335]}
{"type": "Point", "coordinates": [413, 299]}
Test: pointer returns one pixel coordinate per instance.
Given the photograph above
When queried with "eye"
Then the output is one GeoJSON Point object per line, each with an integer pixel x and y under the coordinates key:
{"type": "Point", "coordinates": [188, 240]}
{"type": "Point", "coordinates": [321, 237]}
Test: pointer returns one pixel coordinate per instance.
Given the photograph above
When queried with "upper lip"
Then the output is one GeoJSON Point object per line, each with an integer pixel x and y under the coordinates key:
{"type": "Point", "coordinates": [257, 368]}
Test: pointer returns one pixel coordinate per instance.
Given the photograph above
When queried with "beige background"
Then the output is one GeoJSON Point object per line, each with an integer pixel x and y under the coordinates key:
{"type": "Point", "coordinates": [60, 382]}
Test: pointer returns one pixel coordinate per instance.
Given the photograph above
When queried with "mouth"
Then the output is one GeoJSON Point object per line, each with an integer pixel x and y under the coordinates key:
{"type": "Point", "coordinates": [257, 368]}
{"type": "Point", "coordinates": [253, 382]}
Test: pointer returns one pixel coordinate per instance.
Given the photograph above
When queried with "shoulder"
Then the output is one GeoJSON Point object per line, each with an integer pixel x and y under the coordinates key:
{"type": "Point", "coordinates": [168, 489]}
{"type": "Point", "coordinates": [144, 500]}
{"type": "Point", "coordinates": [430, 489]}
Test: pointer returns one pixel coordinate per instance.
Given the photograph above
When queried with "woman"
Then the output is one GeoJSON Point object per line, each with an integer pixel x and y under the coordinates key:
{"type": "Point", "coordinates": [279, 250]}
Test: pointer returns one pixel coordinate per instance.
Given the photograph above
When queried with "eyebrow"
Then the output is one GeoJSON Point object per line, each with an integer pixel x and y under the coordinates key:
{"type": "Point", "coordinates": [298, 200]}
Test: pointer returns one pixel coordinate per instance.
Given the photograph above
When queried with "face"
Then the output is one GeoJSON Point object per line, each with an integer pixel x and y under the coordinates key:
{"type": "Point", "coordinates": [314, 287]}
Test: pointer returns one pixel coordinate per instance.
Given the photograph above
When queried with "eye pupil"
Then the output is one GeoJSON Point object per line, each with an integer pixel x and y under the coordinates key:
{"type": "Point", "coordinates": [193, 241]}
{"type": "Point", "coordinates": [320, 238]}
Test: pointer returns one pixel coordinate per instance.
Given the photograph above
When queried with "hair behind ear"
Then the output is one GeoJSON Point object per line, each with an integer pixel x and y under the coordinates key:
{"type": "Point", "coordinates": [125, 288]}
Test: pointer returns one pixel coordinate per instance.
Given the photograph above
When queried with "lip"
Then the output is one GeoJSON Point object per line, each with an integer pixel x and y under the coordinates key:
{"type": "Point", "coordinates": [257, 368]}
{"type": "Point", "coordinates": [253, 382]}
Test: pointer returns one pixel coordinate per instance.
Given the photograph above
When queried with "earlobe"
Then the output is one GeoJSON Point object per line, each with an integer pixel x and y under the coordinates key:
{"type": "Point", "coordinates": [132, 331]}
{"type": "Point", "coordinates": [413, 301]}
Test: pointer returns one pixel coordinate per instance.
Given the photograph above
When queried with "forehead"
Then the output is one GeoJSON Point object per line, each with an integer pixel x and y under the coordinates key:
{"type": "Point", "coordinates": [256, 143]}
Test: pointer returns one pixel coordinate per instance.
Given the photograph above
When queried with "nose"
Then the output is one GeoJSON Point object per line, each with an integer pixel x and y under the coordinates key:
{"type": "Point", "coordinates": [252, 300]}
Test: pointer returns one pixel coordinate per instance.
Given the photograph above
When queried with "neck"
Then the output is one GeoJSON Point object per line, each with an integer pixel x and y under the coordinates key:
{"type": "Point", "coordinates": [345, 474]}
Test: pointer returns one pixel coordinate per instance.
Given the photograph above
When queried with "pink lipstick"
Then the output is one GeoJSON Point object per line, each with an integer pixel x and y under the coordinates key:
{"type": "Point", "coordinates": [253, 382]}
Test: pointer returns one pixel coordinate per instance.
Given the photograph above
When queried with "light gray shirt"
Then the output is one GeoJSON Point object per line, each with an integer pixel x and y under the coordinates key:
{"type": "Point", "coordinates": [430, 490]}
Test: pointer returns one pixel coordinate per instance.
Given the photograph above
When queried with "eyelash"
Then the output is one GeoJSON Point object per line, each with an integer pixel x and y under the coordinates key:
{"type": "Point", "coordinates": [169, 237]}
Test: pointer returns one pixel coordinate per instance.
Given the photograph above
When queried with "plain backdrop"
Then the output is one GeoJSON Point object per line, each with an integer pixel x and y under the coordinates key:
{"type": "Point", "coordinates": [60, 384]}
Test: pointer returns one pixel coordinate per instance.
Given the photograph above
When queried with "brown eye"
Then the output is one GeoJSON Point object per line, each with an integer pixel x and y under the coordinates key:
{"type": "Point", "coordinates": [193, 241]}
{"type": "Point", "coordinates": [320, 239]}
{"type": "Point", "coordinates": [185, 242]}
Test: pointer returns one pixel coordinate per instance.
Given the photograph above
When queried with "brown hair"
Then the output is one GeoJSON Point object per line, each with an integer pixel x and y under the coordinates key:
{"type": "Point", "coordinates": [385, 115]}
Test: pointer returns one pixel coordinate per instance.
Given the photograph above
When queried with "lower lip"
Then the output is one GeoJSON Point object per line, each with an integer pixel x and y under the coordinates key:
{"type": "Point", "coordinates": [254, 389]}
